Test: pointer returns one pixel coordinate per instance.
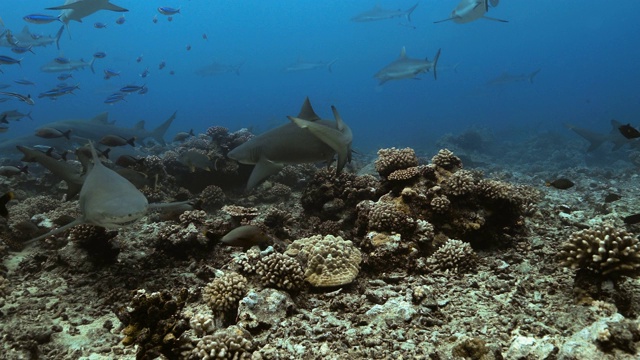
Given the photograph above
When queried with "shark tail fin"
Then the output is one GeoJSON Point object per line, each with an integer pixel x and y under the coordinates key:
{"type": "Point", "coordinates": [330, 64]}
{"type": "Point", "coordinates": [532, 75]}
{"type": "Point", "coordinates": [410, 10]}
{"type": "Point", "coordinates": [58, 35]}
{"type": "Point", "coordinates": [158, 133]}
{"type": "Point", "coordinates": [55, 231]}
{"type": "Point", "coordinates": [435, 63]}
{"type": "Point", "coordinates": [93, 59]}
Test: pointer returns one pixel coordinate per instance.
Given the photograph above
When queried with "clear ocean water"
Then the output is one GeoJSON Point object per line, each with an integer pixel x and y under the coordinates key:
{"type": "Point", "coordinates": [587, 53]}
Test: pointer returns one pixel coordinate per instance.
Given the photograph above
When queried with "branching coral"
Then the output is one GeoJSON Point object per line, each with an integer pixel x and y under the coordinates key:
{"type": "Point", "coordinates": [223, 293]}
{"type": "Point", "coordinates": [455, 256]}
{"type": "Point", "coordinates": [391, 160]}
{"type": "Point", "coordinates": [604, 250]}
{"type": "Point", "coordinates": [280, 271]}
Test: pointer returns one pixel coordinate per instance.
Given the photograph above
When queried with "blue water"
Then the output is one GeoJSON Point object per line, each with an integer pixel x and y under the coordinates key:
{"type": "Point", "coordinates": [587, 51]}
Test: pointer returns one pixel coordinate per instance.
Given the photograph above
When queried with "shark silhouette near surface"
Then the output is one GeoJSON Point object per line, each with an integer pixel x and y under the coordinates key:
{"type": "Point", "coordinates": [471, 10]}
{"type": "Point", "coordinates": [78, 9]}
{"type": "Point", "coordinates": [306, 139]}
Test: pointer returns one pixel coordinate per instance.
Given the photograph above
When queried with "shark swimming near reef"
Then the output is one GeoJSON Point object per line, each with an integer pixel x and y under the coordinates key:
{"type": "Point", "coordinates": [306, 139]}
{"type": "Point", "coordinates": [378, 13]}
{"type": "Point", "coordinates": [109, 200]}
{"type": "Point", "coordinates": [407, 68]}
{"type": "Point", "coordinates": [470, 10]}
{"type": "Point", "coordinates": [99, 126]}
{"type": "Point", "coordinates": [596, 139]}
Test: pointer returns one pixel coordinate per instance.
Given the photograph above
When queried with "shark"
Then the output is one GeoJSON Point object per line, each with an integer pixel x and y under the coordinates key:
{"type": "Point", "coordinates": [78, 9]}
{"type": "Point", "coordinates": [109, 200]}
{"type": "Point", "coordinates": [407, 68]}
{"type": "Point", "coordinates": [62, 169]}
{"type": "Point", "coordinates": [305, 139]}
{"type": "Point", "coordinates": [378, 13]}
{"type": "Point", "coordinates": [471, 10]}
{"type": "Point", "coordinates": [596, 139]}
{"type": "Point", "coordinates": [216, 68]}
{"type": "Point", "coordinates": [99, 126]}
{"type": "Point", "coordinates": [54, 66]}
{"type": "Point", "coordinates": [25, 39]}
{"type": "Point", "coordinates": [506, 78]}
{"type": "Point", "coordinates": [309, 65]}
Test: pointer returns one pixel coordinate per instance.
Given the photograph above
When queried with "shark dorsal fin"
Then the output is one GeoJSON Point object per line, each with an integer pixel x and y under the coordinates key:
{"type": "Point", "coordinates": [25, 30]}
{"type": "Point", "coordinates": [139, 125]}
{"type": "Point", "coordinates": [306, 112]}
{"type": "Point", "coordinates": [102, 118]}
{"type": "Point", "coordinates": [403, 53]}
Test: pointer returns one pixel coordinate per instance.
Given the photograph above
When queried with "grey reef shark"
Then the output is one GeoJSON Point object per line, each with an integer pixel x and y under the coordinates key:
{"type": "Point", "coordinates": [596, 139]}
{"type": "Point", "coordinates": [378, 13]}
{"type": "Point", "coordinates": [78, 9]}
{"type": "Point", "coordinates": [306, 139]}
{"type": "Point", "coordinates": [407, 68]}
{"type": "Point", "coordinates": [26, 39]}
{"type": "Point", "coordinates": [471, 10]}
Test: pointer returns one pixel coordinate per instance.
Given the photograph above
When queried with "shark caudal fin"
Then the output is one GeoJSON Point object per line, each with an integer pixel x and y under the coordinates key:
{"type": "Point", "coordinates": [532, 75]}
{"type": "Point", "coordinates": [435, 63]}
{"type": "Point", "coordinates": [410, 10]}
{"type": "Point", "coordinates": [158, 133]}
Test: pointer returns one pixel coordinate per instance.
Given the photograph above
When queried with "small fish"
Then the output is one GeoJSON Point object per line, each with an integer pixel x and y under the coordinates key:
{"type": "Point", "coordinates": [131, 88]}
{"type": "Point", "coordinates": [115, 140]}
{"type": "Point", "coordinates": [8, 60]}
{"type": "Point", "coordinates": [4, 199]}
{"type": "Point", "coordinates": [169, 18]}
{"type": "Point", "coordinates": [4, 129]}
{"type": "Point", "coordinates": [24, 82]}
{"type": "Point", "coordinates": [155, 19]}
{"type": "Point", "coordinates": [100, 55]}
{"type": "Point", "coordinates": [244, 236]}
{"type": "Point", "coordinates": [109, 73]}
{"type": "Point", "coordinates": [182, 136]}
{"type": "Point", "coordinates": [27, 99]}
{"type": "Point", "coordinates": [629, 132]}
{"type": "Point", "coordinates": [194, 159]}
{"type": "Point", "coordinates": [632, 219]}
{"type": "Point", "coordinates": [64, 77]}
{"type": "Point", "coordinates": [128, 161]}
{"type": "Point", "coordinates": [99, 25]}
{"type": "Point", "coordinates": [143, 91]}
{"type": "Point", "coordinates": [188, 47]}
{"type": "Point", "coordinates": [145, 73]}
{"type": "Point", "coordinates": [171, 72]}
{"type": "Point", "coordinates": [9, 170]}
{"type": "Point", "coordinates": [62, 60]}
{"type": "Point", "coordinates": [204, 36]}
{"type": "Point", "coordinates": [114, 99]}
{"type": "Point", "coordinates": [162, 65]}
{"type": "Point", "coordinates": [22, 49]}
{"type": "Point", "coordinates": [561, 183]}
{"type": "Point", "coordinates": [120, 20]}
{"type": "Point", "coordinates": [139, 59]}
{"type": "Point", "coordinates": [52, 133]}
{"type": "Point", "coordinates": [165, 10]}
{"type": "Point", "coordinates": [41, 18]}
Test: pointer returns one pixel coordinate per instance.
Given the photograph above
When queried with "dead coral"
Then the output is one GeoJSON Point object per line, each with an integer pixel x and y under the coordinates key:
{"type": "Point", "coordinates": [604, 250]}
{"type": "Point", "coordinates": [390, 160]}
{"type": "Point", "coordinates": [224, 292]}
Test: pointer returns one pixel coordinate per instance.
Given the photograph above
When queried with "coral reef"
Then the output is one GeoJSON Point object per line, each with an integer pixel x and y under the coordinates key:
{"type": "Point", "coordinates": [329, 261]}
{"type": "Point", "coordinates": [224, 292]}
{"type": "Point", "coordinates": [605, 250]}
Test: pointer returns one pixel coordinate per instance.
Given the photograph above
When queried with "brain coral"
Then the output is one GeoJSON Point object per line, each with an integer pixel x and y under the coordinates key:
{"type": "Point", "coordinates": [330, 261]}
{"type": "Point", "coordinates": [604, 250]}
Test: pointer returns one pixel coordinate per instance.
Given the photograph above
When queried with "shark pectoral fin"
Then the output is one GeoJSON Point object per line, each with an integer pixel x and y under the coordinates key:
{"type": "Point", "coordinates": [338, 140]}
{"type": "Point", "coordinates": [494, 19]}
{"type": "Point", "coordinates": [75, 222]}
{"type": "Point", "coordinates": [439, 21]}
{"type": "Point", "coordinates": [263, 169]}
{"type": "Point", "coordinates": [112, 7]}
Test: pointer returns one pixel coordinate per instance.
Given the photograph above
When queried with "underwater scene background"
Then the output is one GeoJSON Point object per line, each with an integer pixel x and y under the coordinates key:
{"type": "Point", "coordinates": [319, 179]}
